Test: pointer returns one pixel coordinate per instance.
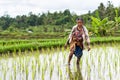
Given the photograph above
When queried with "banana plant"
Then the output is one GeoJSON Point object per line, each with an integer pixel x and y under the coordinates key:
{"type": "Point", "coordinates": [99, 27]}
{"type": "Point", "coordinates": [117, 20]}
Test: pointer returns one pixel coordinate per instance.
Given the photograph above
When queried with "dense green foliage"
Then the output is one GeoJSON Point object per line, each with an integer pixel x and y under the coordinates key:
{"type": "Point", "coordinates": [60, 21]}
{"type": "Point", "coordinates": [25, 21]}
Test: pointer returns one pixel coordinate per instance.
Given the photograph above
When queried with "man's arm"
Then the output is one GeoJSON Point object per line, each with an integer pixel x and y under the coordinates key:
{"type": "Point", "coordinates": [87, 37]}
{"type": "Point", "coordinates": [70, 35]}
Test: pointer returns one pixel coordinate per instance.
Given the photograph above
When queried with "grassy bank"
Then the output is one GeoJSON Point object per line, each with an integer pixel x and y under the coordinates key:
{"type": "Point", "coordinates": [22, 45]}
{"type": "Point", "coordinates": [33, 35]}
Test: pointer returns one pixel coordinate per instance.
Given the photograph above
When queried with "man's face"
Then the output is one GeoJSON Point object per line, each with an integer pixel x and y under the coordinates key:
{"type": "Point", "coordinates": [79, 22]}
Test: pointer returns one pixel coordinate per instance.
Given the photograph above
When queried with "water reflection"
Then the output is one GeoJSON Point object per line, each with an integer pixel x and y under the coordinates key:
{"type": "Point", "coordinates": [77, 75]}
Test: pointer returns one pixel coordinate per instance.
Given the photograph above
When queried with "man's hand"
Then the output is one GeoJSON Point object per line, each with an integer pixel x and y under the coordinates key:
{"type": "Point", "coordinates": [65, 46]}
{"type": "Point", "coordinates": [88, 48]}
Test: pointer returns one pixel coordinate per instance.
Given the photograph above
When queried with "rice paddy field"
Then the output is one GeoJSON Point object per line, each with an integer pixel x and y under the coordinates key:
{"type": "Point", "coordinates": [50, 63]}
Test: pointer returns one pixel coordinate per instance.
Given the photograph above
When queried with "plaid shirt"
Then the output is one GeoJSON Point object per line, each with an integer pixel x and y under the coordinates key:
{"type": "Point", "coordinates": [84, 35]}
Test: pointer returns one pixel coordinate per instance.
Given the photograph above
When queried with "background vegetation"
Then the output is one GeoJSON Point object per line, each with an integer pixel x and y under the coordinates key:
{"type": "Point", "coordinates": [104, 21]}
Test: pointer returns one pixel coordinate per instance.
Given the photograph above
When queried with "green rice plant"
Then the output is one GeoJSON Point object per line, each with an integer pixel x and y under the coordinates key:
{"type": "Point", "coordinates": [43, 72]}
{"type": "Point", "coordinates": [47, 43]}
{"type": "Point", "coordinates": [102, 62]}
{"type": "Point", "coordinates": [51, 70]}
{"type": "Point", "coordinates": [27, 73]}
{"type": "Point", "coordinates": [33, 74]}
{"type": "Point", "coordinates": [4, 72]}
{"type": "Point", "coordinates": [39, 64]}
{"type": "Point", "coordinates": [59, 72]}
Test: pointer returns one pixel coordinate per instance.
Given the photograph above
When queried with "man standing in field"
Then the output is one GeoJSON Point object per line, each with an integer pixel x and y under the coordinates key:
{"type": "Point", "coordinates": [76, 39]}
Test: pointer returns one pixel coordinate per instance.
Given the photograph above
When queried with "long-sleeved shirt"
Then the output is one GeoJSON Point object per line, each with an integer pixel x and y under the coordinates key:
{"type": "Point", "coordinates": [85, 35]}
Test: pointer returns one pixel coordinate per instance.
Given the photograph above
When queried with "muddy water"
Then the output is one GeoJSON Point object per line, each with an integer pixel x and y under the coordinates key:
{"type": "Point", "coordinates": [101, 63]}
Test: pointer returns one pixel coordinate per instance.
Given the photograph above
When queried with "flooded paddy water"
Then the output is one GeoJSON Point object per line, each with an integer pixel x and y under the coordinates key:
{"type": "Point", "coordinates": [101, 63]}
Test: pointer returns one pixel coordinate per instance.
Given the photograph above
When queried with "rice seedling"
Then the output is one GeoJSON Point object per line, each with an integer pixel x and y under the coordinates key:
{"type": "Point", "coordinates": [16, 45]}
{"type": "Point", "coordinates": [101, 63]}
{"type": "Point", "coordinates": [51, 70]}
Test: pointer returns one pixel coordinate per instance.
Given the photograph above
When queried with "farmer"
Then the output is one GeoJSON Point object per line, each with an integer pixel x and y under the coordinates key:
{"type": "Point", "coordinates": [76, 39]}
